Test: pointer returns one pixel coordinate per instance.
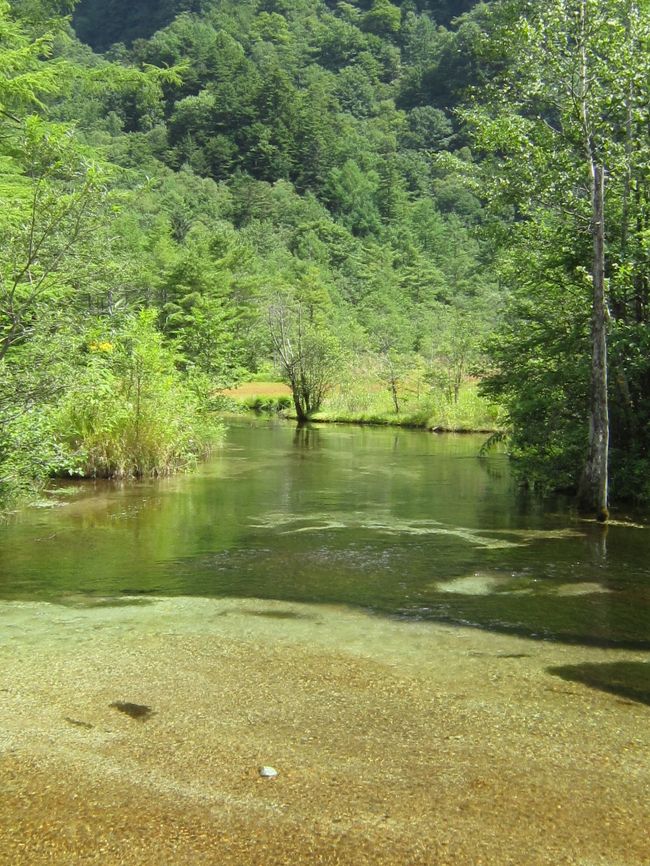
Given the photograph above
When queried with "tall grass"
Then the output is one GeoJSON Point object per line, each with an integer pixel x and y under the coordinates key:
{"type": "Point", "coordinates": [366, 402]}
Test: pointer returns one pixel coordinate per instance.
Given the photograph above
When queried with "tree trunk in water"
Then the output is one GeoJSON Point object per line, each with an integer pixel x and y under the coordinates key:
{"type": "Point", "coordinates": [301, 415]}
{"type": "Point", "coordinates": [593, 492]}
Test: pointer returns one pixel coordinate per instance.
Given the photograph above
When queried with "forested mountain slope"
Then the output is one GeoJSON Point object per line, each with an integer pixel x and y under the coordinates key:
{"type": "Point", "coordinates": [102, 23]}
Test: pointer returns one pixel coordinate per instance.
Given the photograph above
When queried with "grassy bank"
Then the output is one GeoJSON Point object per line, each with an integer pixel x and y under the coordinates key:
{"type": "Point", "coordinates": [366, 402]}
{"type": "Point", "coordinates": [429, 411]}
{"type": "Point", "coordinates": [116, 405]}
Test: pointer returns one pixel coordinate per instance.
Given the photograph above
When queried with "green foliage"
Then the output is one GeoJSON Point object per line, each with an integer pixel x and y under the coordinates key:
{"type": "Point", "coordinates": [540, 369]}
{"type": "Point", "coordinates": [365, 400]}
{"type": "Point", "coordinates": [27, 454]}
{"type": "Point", "coordinates": [50, 208]}
{"type": "Point", "coordinates": [128, 412]}
{"type": "Point", "coordinates": [25, 80]}
{"type": "Point", "coordinates": [102, 24]}
{"type": "Point", "coordinates": [250, 185]}
{"type": "Point", "coordinates": [576, 80]}
{"type": "Point", "coordinates": [307, 352]}
{"type": "Point", "coordinates": [382, 18]}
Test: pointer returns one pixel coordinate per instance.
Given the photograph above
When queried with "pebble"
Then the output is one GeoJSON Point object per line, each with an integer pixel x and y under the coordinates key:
{"type": "Point", "coordinates": [268, 772]}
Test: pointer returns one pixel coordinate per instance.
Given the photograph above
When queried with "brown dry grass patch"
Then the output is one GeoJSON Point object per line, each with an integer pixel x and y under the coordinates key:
{"type": "Point", "coordinates": [258, 389]}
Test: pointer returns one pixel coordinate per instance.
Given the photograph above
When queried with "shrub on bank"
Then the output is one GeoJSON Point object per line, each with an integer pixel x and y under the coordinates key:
{"type": "Point", "coordinates": [129, 412]}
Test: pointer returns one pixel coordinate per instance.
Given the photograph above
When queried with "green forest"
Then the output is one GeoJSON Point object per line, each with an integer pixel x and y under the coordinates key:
{"type": "Point", "coordinates": [427, 212]}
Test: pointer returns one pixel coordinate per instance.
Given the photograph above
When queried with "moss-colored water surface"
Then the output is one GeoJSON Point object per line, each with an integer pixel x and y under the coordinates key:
{"type": "Point", "coordinates": [399, 522]}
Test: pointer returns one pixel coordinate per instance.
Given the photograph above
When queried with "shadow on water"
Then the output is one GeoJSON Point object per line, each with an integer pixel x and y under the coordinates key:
{"type": "Point", "coordinates": [630, 680]}
{"type": "Point", "coordinates": [534, 630]}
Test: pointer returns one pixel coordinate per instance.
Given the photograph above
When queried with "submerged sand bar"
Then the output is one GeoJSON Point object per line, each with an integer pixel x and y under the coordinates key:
{"type": "Point", "coordinates": [395, 743]}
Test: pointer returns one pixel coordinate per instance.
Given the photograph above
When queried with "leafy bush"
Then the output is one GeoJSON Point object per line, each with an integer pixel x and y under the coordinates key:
{"type": "Point", "coordinates": [129, 412]}
{"type": "Point", "coordinates": [27, 453]}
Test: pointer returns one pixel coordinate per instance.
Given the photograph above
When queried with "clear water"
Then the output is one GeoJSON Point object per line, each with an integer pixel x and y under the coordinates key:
{"type": "Point", "coordinates": [401, 522]}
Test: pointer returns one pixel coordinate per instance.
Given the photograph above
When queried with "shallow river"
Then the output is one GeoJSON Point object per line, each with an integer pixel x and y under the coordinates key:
{"type": "Point", "coordinates": [289, 606]}
{"type": "Point", "coordinates": [400, 522]}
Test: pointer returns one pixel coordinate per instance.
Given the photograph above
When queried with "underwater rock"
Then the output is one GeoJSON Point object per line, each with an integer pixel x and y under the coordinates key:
{"type": "Point", "coordinates": [268, 772]}
{"type": "Point", "coordinates": [135, 711]}
{"type": "Point", "coordinates": [581, 588]}
{"type": "Point", "coordinates": [479, 583]}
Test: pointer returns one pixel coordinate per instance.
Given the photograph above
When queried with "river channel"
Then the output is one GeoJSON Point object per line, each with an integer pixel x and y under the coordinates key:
{"type": "Point", "coordinates": [335, 645]}
{"type": "Point", "coordinates": [399, 522]}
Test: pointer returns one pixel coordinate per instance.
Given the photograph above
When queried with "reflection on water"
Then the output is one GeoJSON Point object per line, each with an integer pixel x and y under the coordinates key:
{"type": "Point", "coordinates": [401, 522]}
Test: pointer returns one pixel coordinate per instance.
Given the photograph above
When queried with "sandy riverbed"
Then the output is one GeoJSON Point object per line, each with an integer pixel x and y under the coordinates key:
{"type": "Point", "coordinates": [395, 743]}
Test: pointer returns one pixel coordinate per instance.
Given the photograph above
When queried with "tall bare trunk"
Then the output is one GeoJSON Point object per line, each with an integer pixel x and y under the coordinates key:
{"type": "Point", "coordinates": [593, 493]}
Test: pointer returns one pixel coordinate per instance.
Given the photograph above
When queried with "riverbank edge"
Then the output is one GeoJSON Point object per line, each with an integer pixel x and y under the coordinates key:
{"type": "Point", "coordinates": [29, 492]}
{"type": "Point", "coordinates": [425, 427]}
{"type": "Point", "coordinates": [273, 399]}
{"type": "Point", "coordinates": [380, 421]}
